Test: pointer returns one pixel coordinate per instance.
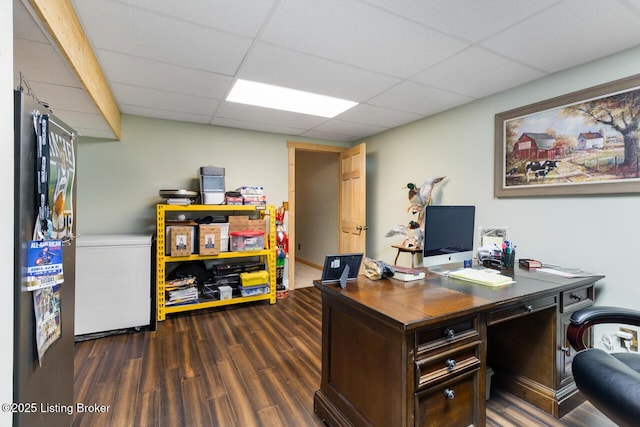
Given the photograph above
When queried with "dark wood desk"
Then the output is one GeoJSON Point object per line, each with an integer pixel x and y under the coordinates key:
{"type": "Point", "coordinates": [415, 353]}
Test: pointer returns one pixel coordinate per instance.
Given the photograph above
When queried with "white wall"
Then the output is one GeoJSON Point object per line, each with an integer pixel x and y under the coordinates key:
{"type": "Point", "coordinates": [6, 214]}
{"type": "Point", "coordinates": [597, 233]}
{"type": "Point", "coordinates": [118, 182]}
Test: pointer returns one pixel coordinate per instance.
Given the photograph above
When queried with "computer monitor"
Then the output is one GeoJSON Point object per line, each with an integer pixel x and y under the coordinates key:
{"type": "Point", "coordinates": [448, 235]}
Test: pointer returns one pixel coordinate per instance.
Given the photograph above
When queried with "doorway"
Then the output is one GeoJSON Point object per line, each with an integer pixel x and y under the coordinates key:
{"type": "Point", "coordinates": [348, 190]}
{"type": "Point", "coordinates": [313, 224]}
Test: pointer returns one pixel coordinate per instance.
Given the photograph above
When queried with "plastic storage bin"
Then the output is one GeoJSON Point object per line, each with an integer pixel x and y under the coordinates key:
{"type": "Point", "coordinates": [253, 290]}
{"type": "Point", "coordinates": [249, 240]}
{"type": "Point", "coordinates": [254, 278]}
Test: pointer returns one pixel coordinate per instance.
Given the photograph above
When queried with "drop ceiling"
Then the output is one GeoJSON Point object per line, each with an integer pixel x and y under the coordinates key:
{"type": "Point", "coordinates": [401, 60]}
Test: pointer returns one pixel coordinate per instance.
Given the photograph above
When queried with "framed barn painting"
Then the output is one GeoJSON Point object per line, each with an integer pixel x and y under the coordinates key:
{"type": "Point", "coordinates": [585, 142]}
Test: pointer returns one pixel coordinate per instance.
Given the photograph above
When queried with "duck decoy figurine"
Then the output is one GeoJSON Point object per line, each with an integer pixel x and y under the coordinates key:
{"type": "Point", "coordinates": [420, 197]}
{"type": "Point", "coordinates": [413, 234]}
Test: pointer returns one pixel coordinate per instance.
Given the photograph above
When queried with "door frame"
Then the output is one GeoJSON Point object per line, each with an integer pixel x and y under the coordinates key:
{"type": "Point", "coordinates": [293, 147]}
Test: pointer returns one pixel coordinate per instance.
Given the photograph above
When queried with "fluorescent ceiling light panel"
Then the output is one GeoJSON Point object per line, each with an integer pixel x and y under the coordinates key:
{"type": "Point", "coordinates": [282, 98]}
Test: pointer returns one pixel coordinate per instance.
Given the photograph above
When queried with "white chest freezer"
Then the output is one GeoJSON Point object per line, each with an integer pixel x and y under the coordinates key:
{"type": "Point", "coordinates": [113, 282]}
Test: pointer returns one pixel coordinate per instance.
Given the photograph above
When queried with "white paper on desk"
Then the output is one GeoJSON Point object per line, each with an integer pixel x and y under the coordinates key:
{"type": "Point", "coordinates": [569, 274]}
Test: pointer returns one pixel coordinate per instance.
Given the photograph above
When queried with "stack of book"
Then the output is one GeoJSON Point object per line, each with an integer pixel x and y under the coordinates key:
{"type": "Point", "coordinates": [181, 291]}
{"type": "Point", "coordinates": [407, 274]}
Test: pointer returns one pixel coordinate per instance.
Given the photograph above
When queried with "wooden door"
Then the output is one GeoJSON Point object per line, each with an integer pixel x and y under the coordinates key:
{"type": "Point", "coordinates": [353, 200]}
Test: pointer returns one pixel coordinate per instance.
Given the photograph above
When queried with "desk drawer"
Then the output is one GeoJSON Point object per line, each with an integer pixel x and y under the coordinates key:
{"type": "Point", "coordinates": [450, 404]}
{"type": "Point", "coordinates": [577, 298]}
{"type": "Point", "coordinates": [447, 364]}
{"type": "Point", "coordinates": [455, 332]}
{"type": "Point", "coordinates": [521, 309]}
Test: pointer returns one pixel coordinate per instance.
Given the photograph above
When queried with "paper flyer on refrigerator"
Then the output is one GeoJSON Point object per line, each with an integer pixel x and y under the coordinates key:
{"type": "Point", "coordinates": [46, 304]}
{"type": "Point", "coordinates": [44, 268]}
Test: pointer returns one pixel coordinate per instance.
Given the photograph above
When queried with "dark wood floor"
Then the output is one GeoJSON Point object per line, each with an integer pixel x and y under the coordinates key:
{"type": "Point", "coordinates": [247, 365]}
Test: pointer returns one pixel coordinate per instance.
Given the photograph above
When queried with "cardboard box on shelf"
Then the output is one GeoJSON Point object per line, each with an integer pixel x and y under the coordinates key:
{"type": "Point", "coordinates": [231, 200]}
{"type": "Point", "coordinates": [209, 238]}
{"type": "Point", "coordinates": [254, 200]}
{"type": "Point", "coordinates": [180, 240]}
{"type": "Point", "coordinates": [238, 222]}
{"type": "Point", "coordinates": [257, 225]}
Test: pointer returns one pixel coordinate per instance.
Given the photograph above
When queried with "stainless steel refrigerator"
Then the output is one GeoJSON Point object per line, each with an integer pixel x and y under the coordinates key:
{"type": "Point", "coordinates": [43, 382]}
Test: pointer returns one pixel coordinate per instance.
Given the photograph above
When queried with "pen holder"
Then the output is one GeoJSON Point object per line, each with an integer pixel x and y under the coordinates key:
{"type": "Point", "coordinates": [508, 259]}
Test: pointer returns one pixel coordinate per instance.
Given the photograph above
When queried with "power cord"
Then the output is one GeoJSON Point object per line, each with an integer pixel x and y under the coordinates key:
{"type": "Point", "coordinates": [626, 338]}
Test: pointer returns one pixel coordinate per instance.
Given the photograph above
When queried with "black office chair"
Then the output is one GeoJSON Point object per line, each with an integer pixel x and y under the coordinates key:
{"type": "Point", "coordinates": [611, 382]}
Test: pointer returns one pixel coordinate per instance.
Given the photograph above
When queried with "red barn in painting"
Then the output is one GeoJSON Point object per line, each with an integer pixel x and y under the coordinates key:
{"type": "Point", "coordinates": [536, 146]}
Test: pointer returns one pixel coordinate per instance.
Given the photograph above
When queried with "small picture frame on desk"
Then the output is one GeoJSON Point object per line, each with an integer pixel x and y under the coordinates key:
{"type": "Point", "coordinates": [492, 234]}
{"type": "Point", "coordinates": [489, 234]}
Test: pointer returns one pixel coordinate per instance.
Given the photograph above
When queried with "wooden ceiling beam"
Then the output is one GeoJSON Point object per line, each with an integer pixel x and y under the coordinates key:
{"type": "Point", "coordinates": [59, 17]}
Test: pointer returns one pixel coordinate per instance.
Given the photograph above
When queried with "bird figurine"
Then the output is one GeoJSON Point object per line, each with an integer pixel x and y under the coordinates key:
{"type": "Point", "coordinates": [420, 197]}
{"type": "Point", "coordinates": [413, 234]}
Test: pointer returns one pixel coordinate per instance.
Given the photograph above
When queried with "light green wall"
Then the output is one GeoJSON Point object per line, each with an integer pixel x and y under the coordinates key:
{"type": "Point", "coordinates": [598, 233]}
{"type": "Point", "coordinates": [118, 182]}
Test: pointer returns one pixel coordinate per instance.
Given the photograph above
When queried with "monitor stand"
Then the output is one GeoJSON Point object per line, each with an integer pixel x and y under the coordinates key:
{"type": "Point", "coordinates": [443, 269]}
{"type": "Point", "coordinates": [344, 276]}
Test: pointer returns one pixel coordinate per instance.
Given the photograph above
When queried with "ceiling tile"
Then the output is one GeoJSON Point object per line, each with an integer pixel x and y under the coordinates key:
{"type": "Point", "coordinates": [469, 20]}
{"type": "Point", "coordinates": [477, 72]}
{"type": "Point", "coordinates": [249, 113]}
{"type": "Point", "coordinates": [418, 99]}
{"type": "Point", "coordinates": [378, 116]}
{"type": "Point", "coordinates": [354, 130]}
{"type": "Point", "coordinates": [250, 125]}
{"type": "Point", "coordinates": [634, 6]}
{"type": "Point", "coordinates": [120, 28]}
{"type": "Point", "coordinates": [147, 73]}
{"type": "Point", "coordinates": [358, 34]}
{"type": "Point", "coordinates": [66, 98]}
{"type": "Point", "coordinates": [92, 122]}
{"type": "Point", "coordinates": [163, 114]}
{"type": "Point", "coordinates": [163, 100]}
{"type": "Point", "coordinates": [274, 65]}
{"type": "Point", "coordinates": [24, 26]}
{"type": "Point", "coordinates": [570, 33]}
{"type": "Point", "coordinates": [40, 62]}
{"type": "Point", "coordinates": [242, 17]}
{"type": "Point", "coordinates": [327, 135]}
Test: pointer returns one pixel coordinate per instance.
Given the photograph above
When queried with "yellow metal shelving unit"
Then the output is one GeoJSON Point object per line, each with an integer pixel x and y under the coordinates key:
{"type": "Point", "coordinates": [162, 259]}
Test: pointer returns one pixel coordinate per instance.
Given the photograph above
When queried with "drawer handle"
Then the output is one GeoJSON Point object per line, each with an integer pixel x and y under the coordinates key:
{"type": "Point", "coordinates": [449, 394]}
{"type": "Point", "coordinates": [528, 308]}
{"type": "Point", "coordinates": [576, 297]}
{"type": "Point", "coordinates": [449, 333]}
{"type": "Point", "coordinates": [451, 364]}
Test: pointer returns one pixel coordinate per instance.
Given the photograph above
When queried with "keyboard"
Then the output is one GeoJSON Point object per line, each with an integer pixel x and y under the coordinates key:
{"type": "Point", "coordinates": [481, 277]}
